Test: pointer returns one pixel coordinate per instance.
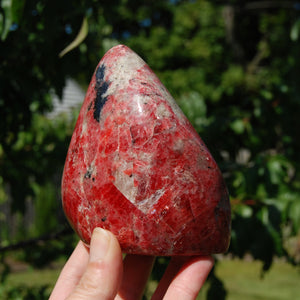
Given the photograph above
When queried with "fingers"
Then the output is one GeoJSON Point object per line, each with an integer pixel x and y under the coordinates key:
{"type": "Point", "coordinates": [103, 274]}
{"type": "Point", "coordinates": [137, 269]}
{"type": "Point", "coordinates": [190, 279]}
{"type": "Point", "coordinates": [71, 273]}
{"type": "Point", "coordinates": [97, 274]}
{"type": "Point", "coordinates": [184, 278]}
{"type": "Point", "coordinates": [172, 269]}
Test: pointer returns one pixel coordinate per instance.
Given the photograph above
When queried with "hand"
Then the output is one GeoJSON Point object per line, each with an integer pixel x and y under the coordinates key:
{"type": "Point", "coordinates": [100, 273]}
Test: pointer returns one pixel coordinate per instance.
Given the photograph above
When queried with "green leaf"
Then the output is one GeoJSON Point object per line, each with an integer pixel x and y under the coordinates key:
{"type": "Point", "coordinates": [278, 167]}
{"type": "Point", "coordinates": [294, 214]}
{"type": "Point", "coordinates": [238, 126]}
{"type": "Point", "coordinates": [295, 31]}
{"type": "Point", "coordinates": [83, 32]}
{"type": "Point", "coordinates": [10, 13]}
{"type": "Point", "coordinates": [194, 107]}
{"type": "Point", "coordinates": [244, 211]}
{"type": "Point", "coordinates": [232, 78]}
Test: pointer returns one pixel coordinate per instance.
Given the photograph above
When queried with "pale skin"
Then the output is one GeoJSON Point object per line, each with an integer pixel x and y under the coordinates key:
{"type": "Point", "coordinates": [99, 272]}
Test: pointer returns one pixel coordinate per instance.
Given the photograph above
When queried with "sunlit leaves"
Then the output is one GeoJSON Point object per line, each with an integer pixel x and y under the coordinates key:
{"type": "Point", "coordinates": [295, 31]}
{"type": "Point", "coordinates": [84, 29]}
{"type": "Point", "coordinates": [10, 14]}
{"type": "Point", "coordinates": [194, 106]}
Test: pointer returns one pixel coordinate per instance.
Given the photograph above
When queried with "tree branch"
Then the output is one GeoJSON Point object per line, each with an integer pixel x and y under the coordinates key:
{"type": "Point", "coordinates": [37, 241]}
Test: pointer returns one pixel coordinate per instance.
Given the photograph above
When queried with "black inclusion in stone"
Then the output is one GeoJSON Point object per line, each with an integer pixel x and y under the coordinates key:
{"type": "Point", "coordinates": [100, 88]}
{"type": "Point", "coordinates": [100, 73]}
{"type": "Point", "coordinates": [88, 174]}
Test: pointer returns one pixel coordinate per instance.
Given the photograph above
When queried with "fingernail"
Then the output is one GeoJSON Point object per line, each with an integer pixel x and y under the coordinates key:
{"type": "Point", "coordinates": [99, 244]}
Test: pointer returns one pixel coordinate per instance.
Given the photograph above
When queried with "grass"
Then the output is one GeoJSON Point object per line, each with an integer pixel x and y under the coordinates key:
{"type": "Point", "coordinates": [29, 284]}
{"type": "Point", "coordinates": [33, 278]}
{"type": "Point", "coordinates": [242, 280]}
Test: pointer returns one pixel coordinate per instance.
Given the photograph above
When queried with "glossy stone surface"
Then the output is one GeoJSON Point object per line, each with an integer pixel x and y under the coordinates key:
{"type": "Point", "coordinates": [136, 167]}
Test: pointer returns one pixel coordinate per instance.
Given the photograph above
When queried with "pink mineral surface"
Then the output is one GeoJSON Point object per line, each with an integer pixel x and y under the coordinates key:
{"type": "Point", "coordinates": [137, 167]}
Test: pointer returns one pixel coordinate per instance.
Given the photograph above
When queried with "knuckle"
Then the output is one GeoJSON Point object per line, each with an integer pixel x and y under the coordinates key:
{"type": "Point", "coordinates": [91, 283]}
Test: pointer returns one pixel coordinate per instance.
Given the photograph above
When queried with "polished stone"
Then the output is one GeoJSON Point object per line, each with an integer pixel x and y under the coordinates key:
{"type": "Point", "coordinates": [137, 167]}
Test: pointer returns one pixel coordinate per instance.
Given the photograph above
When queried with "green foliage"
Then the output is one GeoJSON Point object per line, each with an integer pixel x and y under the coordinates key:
{"type": "Point", "coordinates": [30, 67]}
{"type": "Point", "coordinates": [40, 254]}
{"type": "Point", "coordinates": [35, 157]}
{"type": "Point", "coordinates": [32, 169]}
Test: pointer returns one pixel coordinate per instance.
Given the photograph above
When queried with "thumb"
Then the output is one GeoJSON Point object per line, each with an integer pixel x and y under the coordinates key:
{"type": "Point", "coordinates": [103, 274]}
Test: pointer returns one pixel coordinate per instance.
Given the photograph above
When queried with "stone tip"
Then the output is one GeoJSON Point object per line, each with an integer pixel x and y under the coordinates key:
{"type": "Point", "coordinates": [118, 48]}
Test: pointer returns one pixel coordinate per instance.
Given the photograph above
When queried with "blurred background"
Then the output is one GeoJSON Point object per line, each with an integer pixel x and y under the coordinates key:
{"type": "Point", "coordinates": [233, 67]}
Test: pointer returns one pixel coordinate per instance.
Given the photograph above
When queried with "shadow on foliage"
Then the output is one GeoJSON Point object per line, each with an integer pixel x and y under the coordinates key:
{"type": "Point", "coordinates": [216, 289]}
{"type": "Point", "coordinates": [41, 254]}
{"type": "Point", "coordinates": [258, 235]}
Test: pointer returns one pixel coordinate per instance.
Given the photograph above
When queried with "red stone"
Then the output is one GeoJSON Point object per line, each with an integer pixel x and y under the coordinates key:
{"type": "Point", "coordinates": [137, 167]}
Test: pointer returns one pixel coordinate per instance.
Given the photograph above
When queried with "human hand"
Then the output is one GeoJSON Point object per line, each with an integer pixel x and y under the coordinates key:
{"type": "Point", "coordinates": [100, 273]}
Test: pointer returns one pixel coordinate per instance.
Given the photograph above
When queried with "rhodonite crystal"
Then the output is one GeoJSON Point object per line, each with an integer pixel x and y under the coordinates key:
{"type": "Point", "coordinates": [137, 167]}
